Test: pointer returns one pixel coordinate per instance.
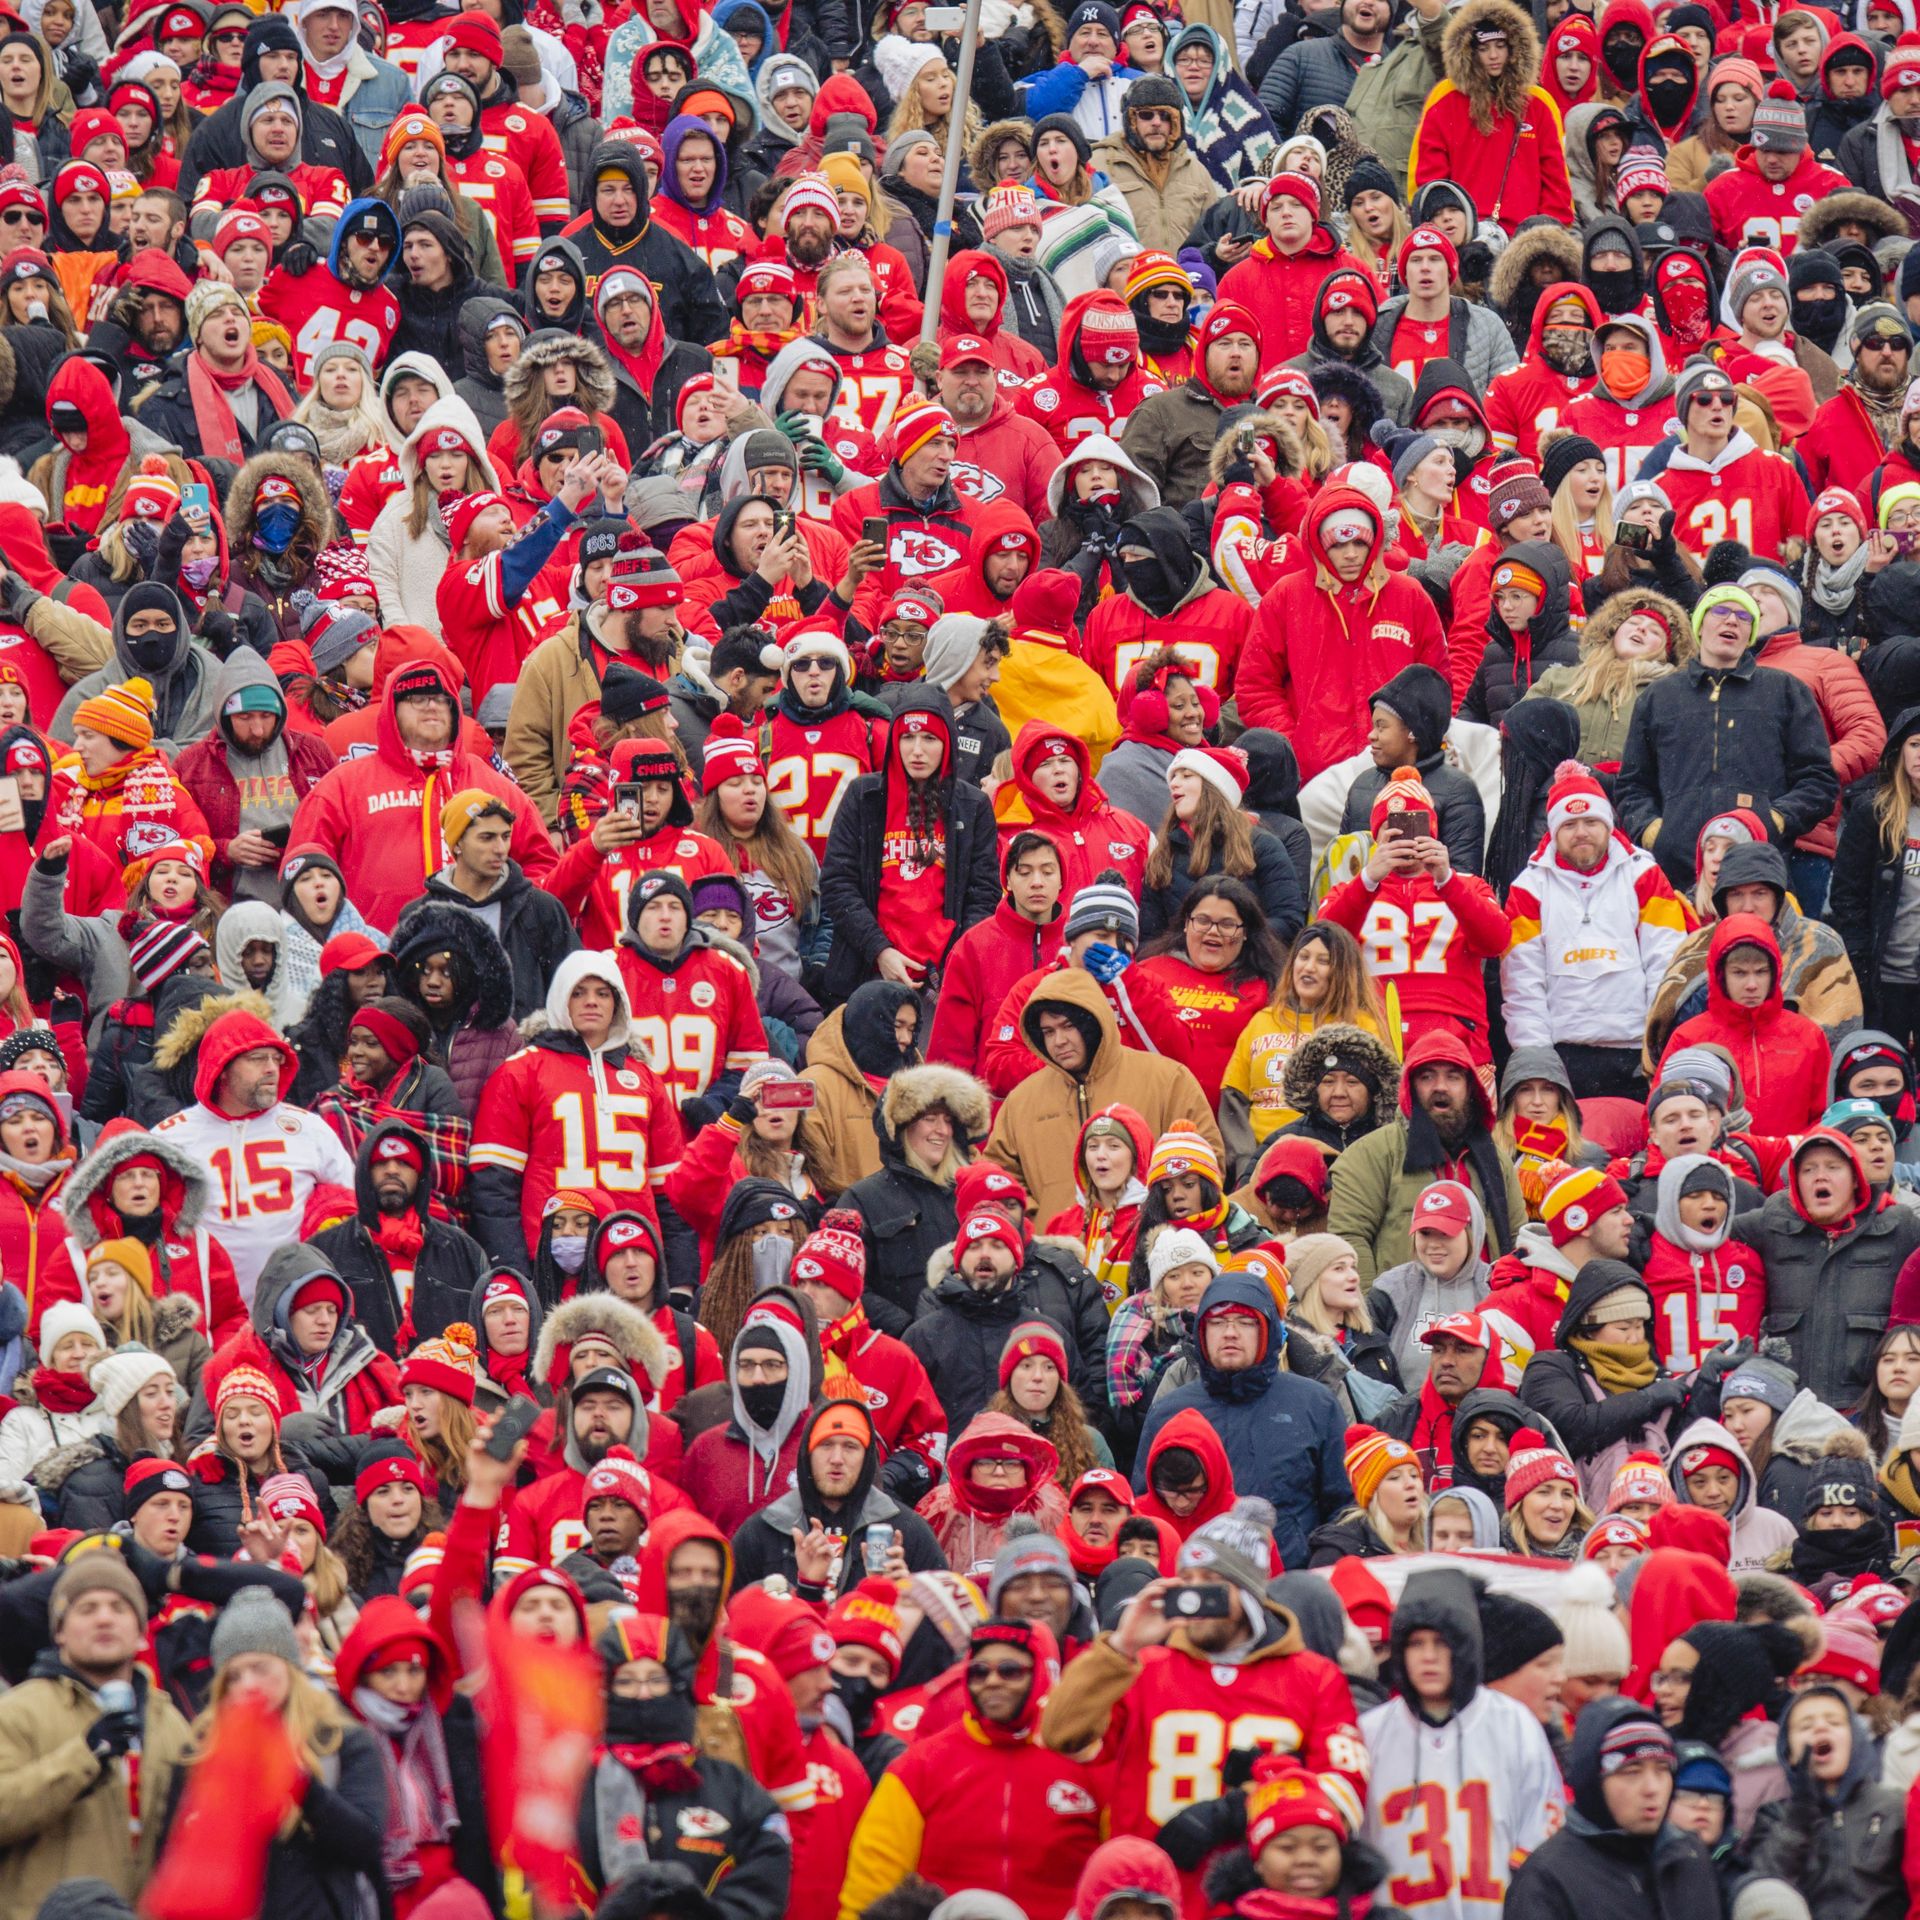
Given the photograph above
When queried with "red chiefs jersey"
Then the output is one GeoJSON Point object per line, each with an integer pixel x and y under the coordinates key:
{"type": "Point", "coordinates": [318, 307]}
{"type": "Point", "coordinates": [873, 382]}
{"type": "Point", "coordinates": [1748, 494]}
{"type": "Point", "coordinates": [551, 1118]}
{"type": "Point", "coordinates": [408, 41]}
{"type": "Point", "coordinates": [30, 665]}
{"type": "Point", "coordinates": [1209, 631]}
{"type": "Point", "coordinates": [809, 768]}
{"type": "Point", "coordinates": [593, 886]}
{"type": "Point", "coordinates": [527, 143]}
{"type": "Point", "coordinates": [1748, 211]}
{"type": "Point", "coordinates": [697, 1019]}
{"type": "Point", "coordinates": [372, 480]}
{"type": "Point", "coordinates": [1527, 400]}
{"type": "Point", "coordinates": [1625, 435]}
{"type": "Point", "coordinates": [1702, 1299]}
{"type": "Point", "coordinates": [480, 629]}
{"type": "Point", "coordinates": [487, 180]}
{"type": "Point", "coordinates": [1175, 1728]}
{"type": "Point", "coordinates": [323, 191]}
{"type": "Point", "coordinates": [1070, 412]}
{"type": "Point", "coordinates": [718, 237]}
{"type": "Point", "coordinates": [1427, 943]}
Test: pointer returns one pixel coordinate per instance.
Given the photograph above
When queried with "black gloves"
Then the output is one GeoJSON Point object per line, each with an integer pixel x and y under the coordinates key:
{"type": "Point", "coordinates": [112, 1736]}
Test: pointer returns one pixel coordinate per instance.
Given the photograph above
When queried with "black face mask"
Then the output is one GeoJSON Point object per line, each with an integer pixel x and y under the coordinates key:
{"type": "Point", "coordinates": [1617, 291]}
{"type": "Point", "coordinates": [1621, 51]}
{"type": "Point", "coordinates": [1819, 320]}
{"type": "Point", "coordinates": [859, 1695]}
{"type": "Point", "coordinates": [1669, 95]}
{"type": "Point", "coordinates": [660, 1722]}
{"type": "Point", "coordinates": [153, 652]}
{"type": "Point", "coordinates": [1150, 584]}
{"type": "Point", "coordinates": [762, 1403]}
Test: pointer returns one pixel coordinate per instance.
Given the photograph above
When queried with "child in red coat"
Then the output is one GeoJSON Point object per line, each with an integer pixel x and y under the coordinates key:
{"type": "Point", "coordinates": [1707, 1287]}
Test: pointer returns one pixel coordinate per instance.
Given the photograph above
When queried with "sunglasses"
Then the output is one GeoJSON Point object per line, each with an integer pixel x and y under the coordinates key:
{"type": "Point", "coordinates": [983, 1670]}
{"type": "Point", "coordinates": [1157, 114]}
{"type": "Point", "coordinates": [21, 217]}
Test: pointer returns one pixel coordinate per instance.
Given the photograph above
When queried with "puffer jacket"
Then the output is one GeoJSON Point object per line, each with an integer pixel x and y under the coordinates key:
{"type": "Point", "coordinates": [1829, 1294]}
{"type": "Point", "coordinates": [1852, 721]}
{"type": "Point", "coordinates": [908, 1216]}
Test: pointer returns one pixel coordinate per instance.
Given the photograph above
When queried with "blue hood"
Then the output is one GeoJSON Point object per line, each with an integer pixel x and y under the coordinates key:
{"type": "Point", "coordinates": [757, 17]}
{"type": "Point", "coordinates": [351, 212]}
{"type": "Point", "coordinates": [678, 129]}
{"type": "Point", "coordinates": [1243, 1290]}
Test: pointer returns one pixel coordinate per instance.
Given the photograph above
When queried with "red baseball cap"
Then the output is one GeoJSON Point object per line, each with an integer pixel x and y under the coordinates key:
{"type": "Point", "coordinates": [962, 348]}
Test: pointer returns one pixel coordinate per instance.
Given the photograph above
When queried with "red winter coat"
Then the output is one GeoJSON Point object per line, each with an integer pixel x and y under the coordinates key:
{"type": "Point", "coordinates": [1847, 711]}
{"type": "Point", "coordinates": [1283, 289]}
{"type": "Point", "coordinates": [205, 773]}
{"type": "Point", "coordinates": [1527, 400]}
{"type": "Point", "coordinates": [1841, 444]}
{"type": "Point", "coordinates": [379, 816]}
{"type": "Point", "coordinates": [1070, 410]}
{"type": "Point", "coordinates": [1783, 1058]}
{"type": "Point", "coordinates": [1511, 173]}
{"type": "Point", "coordinates": [708, 1170]}
{"type": "Point", "coordinates": [543, 1524]}
{"type": "Point", "coordinates": [1319, 649]}
{"type": "Point", "coordinates": [981, 970]}
{"type": "Point", "coordinates": [1006, 457]}
{"type": "Point", "coordinates": [1000, 525]}
{"type": "Point", "coordinates": [1096, 835]}
{"type": "Point", "coordinates": [907, 1415]}
{"type": "Point", "coordinates": [1015, 361]}
{"type": "Point", "coordinates": [1749, 211]}
{"type": "Point", "coordinates": [33, 1231]}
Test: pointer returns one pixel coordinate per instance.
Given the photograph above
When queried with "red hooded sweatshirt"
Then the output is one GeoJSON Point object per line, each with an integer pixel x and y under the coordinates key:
{"type": "Point", "coordinates": [1676, 1590]}
{"type": "Point", "coordinates": [1783, 1057]}
{"type": "Point", "coordinates": [1001, 526]}
{"type": "Point", "coordinates": [1092, 835]}
{"type": "Point", "coordinates": [1319, 647]}
{"type": "Point", "coordinates": [1525, 401]}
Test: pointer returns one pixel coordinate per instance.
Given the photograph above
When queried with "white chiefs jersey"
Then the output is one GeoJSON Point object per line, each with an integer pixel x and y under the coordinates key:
{"type": "Point", "coordinates": [1455, 1809]}
{"type": "Point", "coordinates": [264, 1169]}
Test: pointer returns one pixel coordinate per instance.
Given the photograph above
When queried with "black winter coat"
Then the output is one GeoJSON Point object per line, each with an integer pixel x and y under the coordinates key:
{"type": "Point", "coordinates": [749, 1883]}
{"type": "Point", "coordinates": [1460, 815]}
{"type": "Point", "coordinates": [1502, 677]}
{"type": "Point", "coordinates": [217, 1512]}
{"type": "Point", "coordinates": [764, 1543]}
{"type": "Point", "coordinates": [1864, 895]}
{"type": "Point", "coordinates": [1274, 880]}
{"type": "Point", "coordinates": [1580, 1873]}
{"type": "Point", "coordinates": [325, 141]}
{"type": "Point", "coordinates": [907, 1219]}
{"type": "Point", "coordinates": [958, 1334]}
{"type": "Point", "coordinates": [1843, 1860]}
{"type": "Point", "coordinates": [1700, 743]}
{"type": "Point", "coordinates": [1828, 1297]}
{"type": "Point", "coordinates": [534, 929]}
{"type": "Point", "coordinates": [850, 873]}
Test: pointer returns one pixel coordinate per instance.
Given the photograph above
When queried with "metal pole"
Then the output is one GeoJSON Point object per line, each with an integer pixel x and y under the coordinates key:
{"type": "Point", "coordinates": [950, 179]}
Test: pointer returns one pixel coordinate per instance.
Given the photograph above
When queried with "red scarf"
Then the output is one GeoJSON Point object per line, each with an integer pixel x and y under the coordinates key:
{"type": "Point", "coordinates": [213, 419]}
{"type": "Point", "coordinates": [661, 1770]}
{"type": "Point", "coordinates": [1543, 1139]}
{"type": "Point", "coordinates": [400, 1237]}
{"type": "Point", "coordinates": [1089, 1562]}
{"type": "Point", "coordinates": [1269, 1903]}
{"type": "Point", "coordinates": [509, 1370]}
{"type": "Point", "coordinates": [741, 341]}
{"type": "Point", "coordinates": [1432, 1436]}
{"type": "Point", "coordinates": [644, 365]}
{"type": "Point", "coordinates": [62, 1392]}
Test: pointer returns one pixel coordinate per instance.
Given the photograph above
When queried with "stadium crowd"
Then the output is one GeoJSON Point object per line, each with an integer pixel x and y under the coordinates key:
{"type": "Point", "coordinates": [1076, 1089]}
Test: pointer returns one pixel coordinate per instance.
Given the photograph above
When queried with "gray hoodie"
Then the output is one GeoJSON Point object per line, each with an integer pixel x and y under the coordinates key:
{"type": "Point", "coordinates": [1418, 1299]}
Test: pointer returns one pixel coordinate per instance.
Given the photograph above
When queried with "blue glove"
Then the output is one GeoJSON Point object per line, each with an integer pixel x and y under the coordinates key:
{"type": "Point", "coordinates": [1105, 963]}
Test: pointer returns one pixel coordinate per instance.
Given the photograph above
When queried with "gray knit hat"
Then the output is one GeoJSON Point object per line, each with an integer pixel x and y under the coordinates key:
{"type": "Point", "coordinates": [1237, 1545]}
{"type": "Point", "coordinates": [1779, 126]}
{"type": "Point", "coordinates": [767, 448]}
{"type": "Point", "coordinates": [903, 144]}
{"type": "Point", "coordinates": [1767, 1381]}
{"type": "Point", "coordinates": [1103, 904]}
{"type": "Point", "coordinates": [1026, 1549]}
{"type": "Point", "coordinates": [335, 632]}
{"type": "Point", "coordinates": [1755, 273]}
{"type": "Point", "coordinates": [1701, 376]}
{"type": "Point", "coordinates": [1764, 574]}
{"type": "Point", "coordinates": [253, 1621]}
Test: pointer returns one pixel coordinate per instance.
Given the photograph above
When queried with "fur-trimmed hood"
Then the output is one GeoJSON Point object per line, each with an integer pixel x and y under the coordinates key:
{"type": "Point", "coordinates": [186, 1030]}
{"type": "Point", "coordinates": [94, 1175]}
{"type": "Point", "coordinates": [1508, 95]}
{"type": "Point", "coordinates": [430, 929]}
{"type": "Point", "coordinates": [980, 154]}
{"type": "Point", "coordinates": [1832, 210]}
{"type": "Point", "coordinates": [1619, 607]}
{"type": "Point", "coordinates": [316, 511]}
{"type": "Point", "coordinates": [1308, 1062]}
{"type": "Point", "coordinates": [549, 348]}
{"type": "Point", "coordinates": [631, 1332]}
{"type": "Point", "coordinates": [1293, 456]}
{"type": "Point", "coordinates": [914, 1089]}
{"type": "Point", "coordinates": [1529, 248]}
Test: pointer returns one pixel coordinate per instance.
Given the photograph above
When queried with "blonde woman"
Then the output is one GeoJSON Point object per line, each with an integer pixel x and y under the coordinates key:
{"type": "Point", "coordinates": [408, 549]}
{"type": "Point", "coordinates": [1546, 1518]}
{"type": "Point", "coordinates": [343, 406]}
{"type": "Point", "coordinates": [120, 1292]}
{"type": "Point", "coordinates": [326, 1853]}
{"type": "Point", "coordinates": [1574, 472]}
{"type": "Point", "coordinates": [1637, 637]}
{"type": "Point", "coordinates": [1287, 396]}
{"type": "Point", "coordinates": [1874, 889]}
{"type": "Point", "coordinates": [1376, 225]}
{"type": "Point", "coordinates": [1325, 984]}
{"type": "Point", "coordinates": [1389, 1511]}
{"type": "Point", "coordinates": [288, 1501]}
{"type": "Point", "coordinates": [438, 1382]}
{"type": "Point", "coordinates": [1327, 1298]}
{"type": "Point", "coordinates": [926, 99]}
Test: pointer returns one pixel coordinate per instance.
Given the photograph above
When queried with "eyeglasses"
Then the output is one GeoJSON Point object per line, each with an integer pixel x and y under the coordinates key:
{"type": "Point", "coordinates": [1227, 929]}
{"type": "Point", "coordinates": [1673, 1677]}
{"type": "Point", "coordinates": [979, 1671]}
{"type": "Point", "coordinates": [1005, 1469]}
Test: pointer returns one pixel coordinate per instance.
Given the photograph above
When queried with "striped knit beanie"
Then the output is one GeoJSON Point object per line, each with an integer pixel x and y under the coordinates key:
{"type": "Point", "coordinates": [1184, 1149]}
{"type": "Point", "coordinates": [161, 951]}
{"type": "Point", "coordinates": [123, 713]}
{"type": "Point", "coordinates": [1104, 904]}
